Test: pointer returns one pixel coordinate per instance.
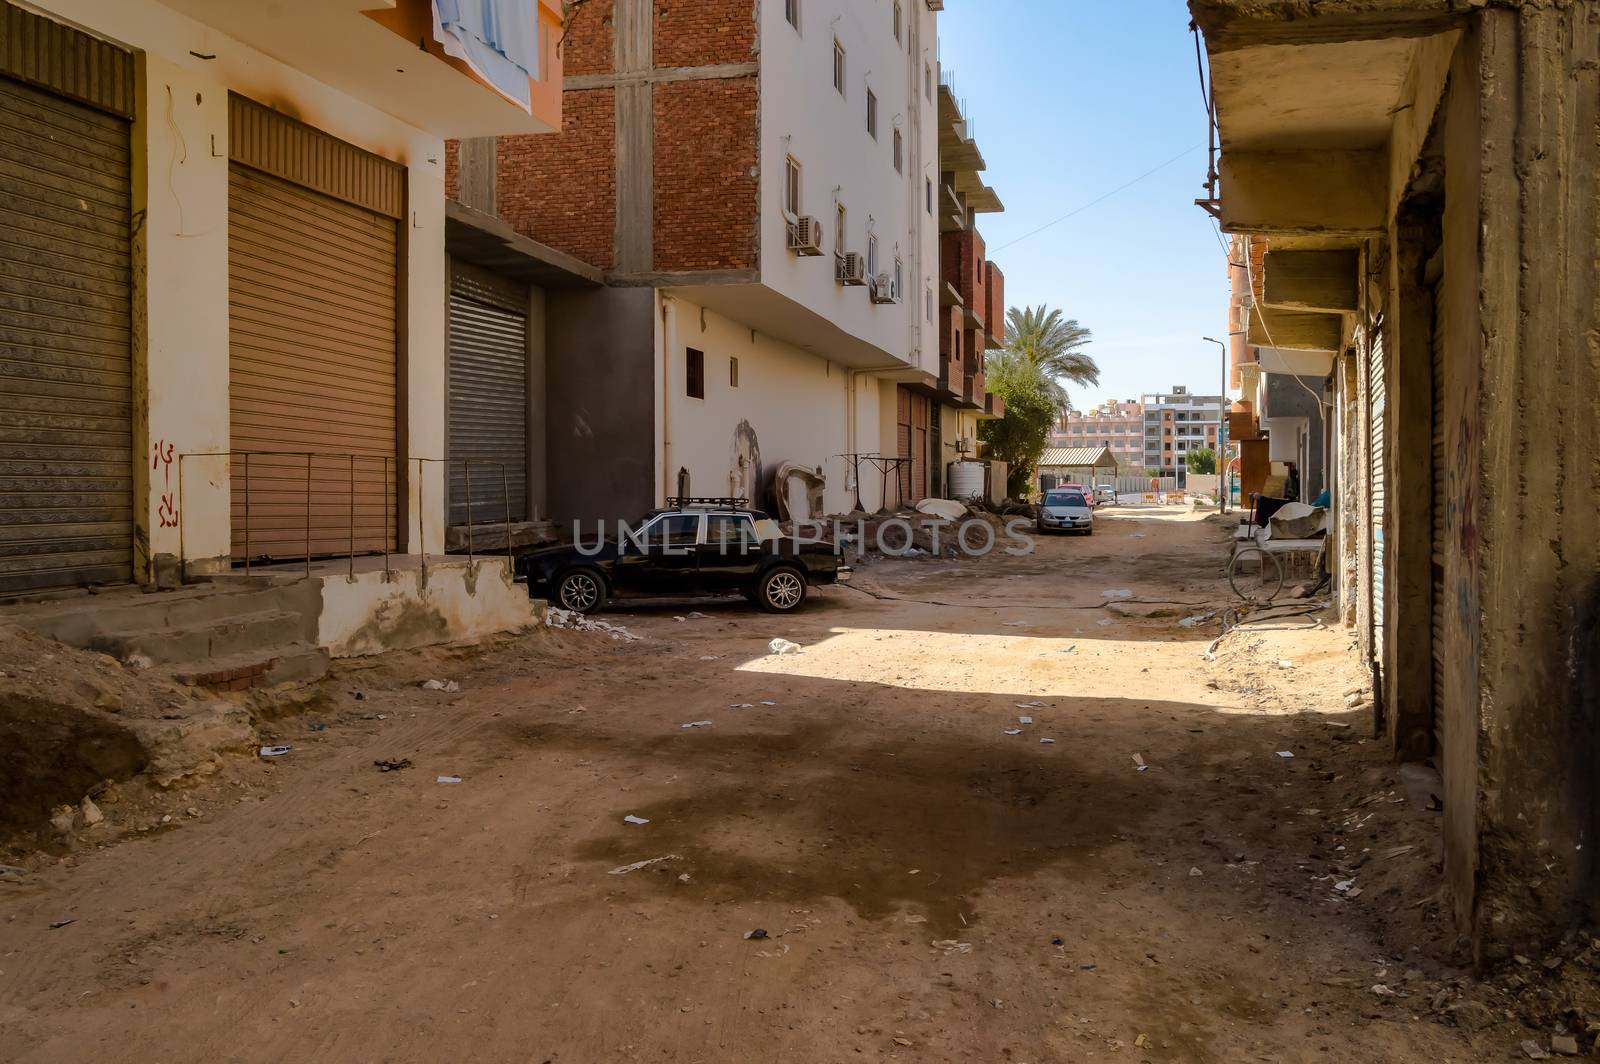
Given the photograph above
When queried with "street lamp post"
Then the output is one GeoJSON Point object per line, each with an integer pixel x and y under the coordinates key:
{"type": "Point", "coordinates": [1222, 427]}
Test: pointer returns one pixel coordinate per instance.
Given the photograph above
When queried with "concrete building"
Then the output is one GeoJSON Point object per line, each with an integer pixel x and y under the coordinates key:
{"type": "Point", "coordinates": [223, 281]}
{"type": "Point", "coordinates": [758, 187]}
{"type": "Point", "coordinates": [1423, 173]}
{"type": "Point", "coordinates": [1118, 426]}
{"type": "Point", "coordinates": [1176, 423]}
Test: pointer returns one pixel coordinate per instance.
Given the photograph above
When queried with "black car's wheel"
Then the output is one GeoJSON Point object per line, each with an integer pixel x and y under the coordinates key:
{"type": "Point", "coordinates": [1043, 531]}
{"type": "Point", "coordinates": [581, 591]}
{"type": "Point", "coordinates": [781, 590]}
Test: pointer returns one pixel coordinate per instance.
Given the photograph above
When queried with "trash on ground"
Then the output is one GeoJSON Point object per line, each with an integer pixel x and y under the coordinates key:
{"type": "Point", "coordinates": [449, 687]}
{"type": "Point", "coordinates": [1057, 941]}
{"type": "Point", "coordinates": [631, 819]}
{"type": "Point", "coordinates": [948, 509]}
{"type": "Point", "coordinates": [1104, 622]}
{"type": "Point", "coordinates": [59, 924]}
{"type": "Point", "coordinates": [1195, 872]}
{"type": "Point", "coordinates": [316, 726]}
{"type": "Point", "coordinates": [1024, 719]}
{"type": "Point", "coordinates": [625, 869]}
{"type": "Point", "coordinates": [950, 946]}
{"type": "Point", "coordinates": [1197, 619]}
{"type": "Point", "coordinates": [1117, 593]}
{"type": "Point", "coordinates": [740, 705]}
{"type": "Point", "coordinates": [1138, 759]}
{"type": "Point", "coordinates": [393, 765]}
{"type": "Point", "coordinates": [1047, 742]}
{"type": "Point", "coordinates": [1285, 664]}
{"type": "Point", "coordinates": [274, 751]}
{"type": "Point", "coordinates": [697, 724]}
{"type": "Point", "coordinates": [783, 646]}
{"type": "Point", "coordinates": [447, 779]}
{"type": "Point", "coordinates": [1533, 1049]}
{"type": "Point", "coordinates": [767, 702]}
{"type": "Point", "coordinates": [758, 933]}
{"type": "Point", "coordinates": [1285, 753]}
{"type": "Point", "coordinates": [558, 618]}
{"type": "Point", "coordinates": [1013, 731]}
{"type": "Point", "coordinates": [695, 615]}
{"type": "Point", "coordinates": [1382, 990]}
{"type": "Point", "coordinates": [708, 657]}
{"type": "Point", "coordinates": [1068, 650]}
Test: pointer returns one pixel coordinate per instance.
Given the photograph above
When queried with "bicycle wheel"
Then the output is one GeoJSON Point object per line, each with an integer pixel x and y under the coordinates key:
{"type": "Point", "coordinates": [1268, 585]}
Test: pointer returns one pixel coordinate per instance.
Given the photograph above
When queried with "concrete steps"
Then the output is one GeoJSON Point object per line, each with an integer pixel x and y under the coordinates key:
{"type": "Point", "coordinates": [227, 635]}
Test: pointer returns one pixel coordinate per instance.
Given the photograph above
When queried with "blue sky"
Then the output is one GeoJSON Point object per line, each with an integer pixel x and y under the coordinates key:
{"type": "Point", "coordinates": [1070, 99]}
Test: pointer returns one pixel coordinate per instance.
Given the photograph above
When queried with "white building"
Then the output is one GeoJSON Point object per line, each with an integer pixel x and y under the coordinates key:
{"type": "Point", "coordinates": [1176, 423]}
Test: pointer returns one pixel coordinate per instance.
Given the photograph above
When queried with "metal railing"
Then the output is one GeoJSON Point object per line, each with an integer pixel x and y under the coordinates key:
{"type": "Point", "coordinates": [292, 484]}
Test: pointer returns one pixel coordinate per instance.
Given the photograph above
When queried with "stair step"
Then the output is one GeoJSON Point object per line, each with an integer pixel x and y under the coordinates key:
{"type": "Point", "coordinates": [198, 643]}
{"type": "Point", "coordinates": [292, 663]}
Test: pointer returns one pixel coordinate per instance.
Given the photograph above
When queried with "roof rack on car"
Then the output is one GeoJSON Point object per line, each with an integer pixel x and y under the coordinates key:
{"type": "Point", "coordinates": [684, 502]}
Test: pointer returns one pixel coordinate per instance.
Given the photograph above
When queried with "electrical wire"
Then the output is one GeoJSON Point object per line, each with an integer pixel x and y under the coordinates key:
{"type": "Point", "coordinates": [1096, 202]}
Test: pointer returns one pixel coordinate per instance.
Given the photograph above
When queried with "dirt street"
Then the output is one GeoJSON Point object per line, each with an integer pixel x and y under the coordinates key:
{"type": "Point", "coordinates": [930, 886]}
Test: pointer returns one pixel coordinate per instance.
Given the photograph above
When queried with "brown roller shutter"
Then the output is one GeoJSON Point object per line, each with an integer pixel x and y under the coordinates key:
{"type": "Point", "coordinates": [312, 350]}
{"type": "Point", "coordinates": [1377, 397]}
{"type": "Point", "coordinates": [488, 397]}
{"type": "Point", "coordinates": [66, 431]}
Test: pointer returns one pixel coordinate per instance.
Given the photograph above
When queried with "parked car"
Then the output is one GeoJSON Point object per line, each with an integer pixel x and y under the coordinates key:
{"type": "Point", "coordinates": [1105, 493]}
{"type": "Point", "coordinates": [1066, 510]}
{"type": "Point", "coordinates": [689, 549]}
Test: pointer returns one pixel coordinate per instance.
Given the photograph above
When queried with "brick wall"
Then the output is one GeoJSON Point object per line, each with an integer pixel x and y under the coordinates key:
{"type": "Point", "coordinates": [707, 191]}
{"type": "Point", "coordinates": [950, 351]}
{"type": "Point", "coordinates": [587, 46]}
{"type": "Point", "coordinates": [962, 265]}
{"type": "Point", "coordinates": [704, 32]}
{"type": "Point", "coordinates": [452, 169]}
{"type": "Point", "coordinates": [561, 189]}
{"type": "Point", "coordinates": [995, 319]}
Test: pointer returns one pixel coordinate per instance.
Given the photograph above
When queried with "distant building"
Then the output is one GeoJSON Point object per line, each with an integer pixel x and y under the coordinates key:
{"type": "Point", "coordinates": [1118, 426]}
{"type": "Point", "coordinates": [1176, 423]}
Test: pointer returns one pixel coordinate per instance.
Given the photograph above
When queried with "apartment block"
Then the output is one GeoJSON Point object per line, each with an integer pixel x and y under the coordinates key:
{"type": "Point", "coordinates": [1176, 422]}
{"type": "Point", "coordinates": [1115, 425]}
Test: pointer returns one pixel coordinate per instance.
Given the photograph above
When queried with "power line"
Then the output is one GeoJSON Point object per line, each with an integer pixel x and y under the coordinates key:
{"type": "Point", "coordinates": [1095, 203]}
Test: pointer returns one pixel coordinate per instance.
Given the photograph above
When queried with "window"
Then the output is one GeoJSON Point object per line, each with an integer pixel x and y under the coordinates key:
{"type": "Point", "coordinates": [872, 114]}
{"type": "Point", "coordinates": [928, 181]}
{"type": "Point", "coordinates": [695, 375]}
{"type": "Point", "coordinates": [927, 81]}
{"type": "Point", "coordinates": [733, 373]}
{"type": "Point", "coordinates": [899, 153]}
{"type": "Point", "coordinates": [674, 530]}
{"type": "Point", "coordinates": [791, 11]}
{"type": "Point", "coordinates": [840, 230]}
{"type": "Point", "coordinates": [897, 19]}
{"type": "Point", "coordinates": [731, 534]}
{"type": "Point", "coordinates": [791, 187]}
{"type": "Point", "coordinates": [838, 66]}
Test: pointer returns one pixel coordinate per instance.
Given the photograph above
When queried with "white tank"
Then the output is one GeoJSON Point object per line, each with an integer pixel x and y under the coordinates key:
{"type": "Point", "coordinates": [967, 479]}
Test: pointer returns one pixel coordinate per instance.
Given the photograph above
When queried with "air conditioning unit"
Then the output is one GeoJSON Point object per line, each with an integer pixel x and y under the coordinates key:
{"type": "Point", "coordinates": [883, 289]}
{"type": "Point", "coordinates": [805, 236]}
{"type": "Point", "coordinates": [850, 269]}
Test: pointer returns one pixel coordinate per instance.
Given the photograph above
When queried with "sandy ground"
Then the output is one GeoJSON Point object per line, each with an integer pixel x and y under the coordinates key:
{"type": "Point", "coordinates": [931, 888]}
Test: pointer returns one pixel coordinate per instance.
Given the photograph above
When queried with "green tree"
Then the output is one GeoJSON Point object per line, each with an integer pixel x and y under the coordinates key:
{"type": "Point", "coordinates": [1202, 460]}
{"type": "Point", "coordinates": [1054, 344]}
{"type": "Point", "coordinates": [1033, 404]}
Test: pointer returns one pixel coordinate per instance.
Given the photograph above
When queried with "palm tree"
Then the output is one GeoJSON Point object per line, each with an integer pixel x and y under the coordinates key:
{"type": "Point", "coordinates": [1054, 344]}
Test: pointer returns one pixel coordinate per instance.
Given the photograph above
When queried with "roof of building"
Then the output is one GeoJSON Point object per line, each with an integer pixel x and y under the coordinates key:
{"type": "Point", "coordinates": [1085, 457]}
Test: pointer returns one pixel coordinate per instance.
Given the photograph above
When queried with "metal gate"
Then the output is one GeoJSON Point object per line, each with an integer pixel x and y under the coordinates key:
{"type": "Point", "coordinates": [488, 397]}
{"type": "Point", "coordinates": [66, 412]}
{"type": "Point", "coordinates": [312, 255]}
{"type": "Point", "coordinates": [1377, 400]}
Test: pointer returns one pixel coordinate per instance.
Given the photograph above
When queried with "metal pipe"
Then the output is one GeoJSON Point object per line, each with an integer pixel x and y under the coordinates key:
{"type": "Point", "coordinates": [466, 471]}
{"type": "Point", "coordinates": [352, 574]}
{"type": "Point", "coordinates": [308, 513]}
{"type": "Point", "coordinates": [247, 513]}
{"type": "Point", "coordinates": [183, 564]}
{"type": "Point", "coordinates": [388, 512]}
{"type": "Point", "coordinates": [505, 490]}
{"type": "Point", "coordinates": [422, 524]}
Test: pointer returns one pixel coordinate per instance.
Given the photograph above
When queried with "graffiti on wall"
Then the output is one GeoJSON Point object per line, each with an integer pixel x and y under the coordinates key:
{"type": "Point", "coordinates": [161, 462]}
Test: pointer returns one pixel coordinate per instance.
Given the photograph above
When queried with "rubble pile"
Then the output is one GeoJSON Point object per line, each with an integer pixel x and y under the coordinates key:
{"type": "Point", "coordinates": [577, 622]}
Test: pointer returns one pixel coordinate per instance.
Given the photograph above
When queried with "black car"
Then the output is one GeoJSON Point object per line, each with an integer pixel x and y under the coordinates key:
{"type": "Point", "coordinates": [689, 549]}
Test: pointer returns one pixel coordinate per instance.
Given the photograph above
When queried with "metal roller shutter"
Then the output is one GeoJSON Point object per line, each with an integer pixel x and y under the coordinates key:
{"type": "Point", "coordinates": [312, 368]}
{"type": "Point", "coordinates": [66, 416]}
{"type": "Point", "coordinates": [488, 407]}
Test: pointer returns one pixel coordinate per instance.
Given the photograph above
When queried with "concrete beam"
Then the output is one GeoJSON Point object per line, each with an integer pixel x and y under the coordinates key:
{"type": "Point", "coordinates": [1232, 24]}
{"type": "Point", "coordinates": [1314, 280]}
{"type": "Point", "coordinates": [1295, 330]}
{"type": "Point", "coordinates": [1312, 192]}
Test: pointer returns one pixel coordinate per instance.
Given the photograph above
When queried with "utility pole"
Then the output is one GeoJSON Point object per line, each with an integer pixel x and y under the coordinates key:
{"type": "Point", "coordinates": [1222, 428]}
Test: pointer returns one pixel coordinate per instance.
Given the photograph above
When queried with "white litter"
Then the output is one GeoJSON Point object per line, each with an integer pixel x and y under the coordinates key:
{"type": "Point", "coordinates": [1285, 753]}
{"type": "Point", "coordinates": [948, 509]}
{"type": "Point", "coordinates": [1285, 664]}
{"type": "Point", "coordinates": [1047, 742]}
{"type": "Point", "coordinates": [696, 615]}
{"type": "Point", "coordinates": [950, 946]}
{"type": "Point", "coordinates": [1197, 619]}
{"type": "Point", "coordinates": [1344, 885]}
{"type": "Point", "coordinates": [631, 819]}
{"type": "Point", "coordinates": [1122, 593]}
{"type": "Point", "coordinates": [698, 724]}
{"type": "Point", "coordinates": [625, 869]}
{"type": "Point", "coordinates": [1024, 720]}
{"type": "Point", "coordinates": [1104, 622]}
{"type": "Point", "coordinates": [708, 657]}
{"type": "Point", "coordinates": [1138, 759]}
{"type": "Point", "coordinates": [447, 779]}
{"type": "Point", "coordinates": [1381, 990]}
{"type": "Point", "coordinates": [767, 703]}
{"type": "Point", "coordinates": [1013, 731]}
{"type": "Point", "coordinates": [783, 646]}
{"type": "Point", "coordinates": [1196, 872]}
{"type": "Point", "coordinates": [447, 686]}
{"type": "Point", "coordinates": [1029, 705]}
{"type": "Point", "coordinates": [740, 705]}
{"type": "Point", "coordinates": [274, 751]}
{"type": "Point", "coordinates": [680, 619]}
{"type": "Point", "coordinates": [558, 618]}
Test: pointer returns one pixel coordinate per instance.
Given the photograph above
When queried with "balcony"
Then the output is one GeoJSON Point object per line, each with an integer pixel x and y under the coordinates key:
{"type": "Point", "coordinates": [368, 49]}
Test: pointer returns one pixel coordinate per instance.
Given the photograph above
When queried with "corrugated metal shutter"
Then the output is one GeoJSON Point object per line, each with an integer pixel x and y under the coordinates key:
{"type": "Point", "coordinates": [312, 368]}
{"type": "Point", "coordinates": [1440, 509]}
{"type": "Point", "coordinates": [488, 407]}
{"type": "Point", "coordinates": [66, 420]}
{"type": "Point", "coordinates": [1377, 392]}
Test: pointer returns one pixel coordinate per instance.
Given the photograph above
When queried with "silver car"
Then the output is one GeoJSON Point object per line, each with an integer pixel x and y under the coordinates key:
{"type": "Point", "coordinates": [1066, 511]}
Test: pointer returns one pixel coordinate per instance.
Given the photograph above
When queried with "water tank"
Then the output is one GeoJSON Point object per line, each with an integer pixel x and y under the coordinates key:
{"type": "Point", "coordinates": [967, 480]}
